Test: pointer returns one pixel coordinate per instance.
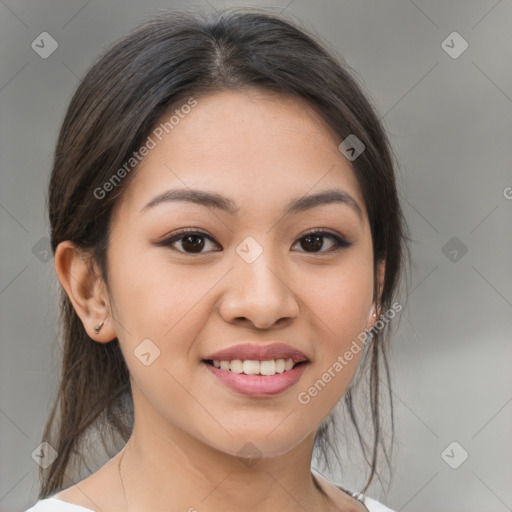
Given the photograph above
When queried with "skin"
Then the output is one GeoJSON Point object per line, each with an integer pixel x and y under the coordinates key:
{"type": "Point", "coordinates": [260, 150]}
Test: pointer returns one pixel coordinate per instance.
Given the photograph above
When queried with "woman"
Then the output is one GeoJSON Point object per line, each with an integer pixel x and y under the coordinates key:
{"type": "Point", "coordinates": [229, 241]}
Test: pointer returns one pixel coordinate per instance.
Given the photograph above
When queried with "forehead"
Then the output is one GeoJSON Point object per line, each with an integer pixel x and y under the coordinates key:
{"type": "Point", "coordinates": [259, 148]}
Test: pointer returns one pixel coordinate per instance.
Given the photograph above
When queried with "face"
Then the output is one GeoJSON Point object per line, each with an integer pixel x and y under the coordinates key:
{"type": "Point", "coordinates": [258, 274]}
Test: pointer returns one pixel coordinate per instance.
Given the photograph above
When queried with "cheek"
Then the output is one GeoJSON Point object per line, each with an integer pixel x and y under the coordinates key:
{"type": "Point", "coordinates": [152, 296]}
{"type": "Point", "coordinates": [340, 308]}
{"type": "Point", "coordinates": [341, 305]}
{"type": "Point", "coordinates": [342, 299]}
{"type": "Point", "coordinates": [160, 312]}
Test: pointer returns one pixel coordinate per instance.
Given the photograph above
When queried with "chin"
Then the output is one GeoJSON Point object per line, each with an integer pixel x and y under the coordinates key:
{"type": "Point", "coordinates": [257, 445]}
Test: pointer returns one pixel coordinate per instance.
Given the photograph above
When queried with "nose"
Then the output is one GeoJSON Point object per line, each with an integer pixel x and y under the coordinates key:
{"type": "Point", "coordinates": [259, 294]}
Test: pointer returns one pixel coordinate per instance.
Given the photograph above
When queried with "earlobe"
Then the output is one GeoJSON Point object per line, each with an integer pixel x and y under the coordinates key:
{"type": "Point", "coordinates": [85, 290]}
{"type": "Point", "coordinates": [375, 310]}
{"type": "Point", "coordinates": [372, 316]}
{"type": "Point", "coordinates": [98, 328]}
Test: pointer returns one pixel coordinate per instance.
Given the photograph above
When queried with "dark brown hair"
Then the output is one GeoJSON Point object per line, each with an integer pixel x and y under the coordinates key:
{"type": "Point", "coordinates": [123, 96]}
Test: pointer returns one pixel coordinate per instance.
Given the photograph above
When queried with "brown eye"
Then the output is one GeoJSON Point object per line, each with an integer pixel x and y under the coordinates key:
{"type": "Point", "coordinates": [314, 241]}
{"type": "Point", "coordinates": [191, 242]}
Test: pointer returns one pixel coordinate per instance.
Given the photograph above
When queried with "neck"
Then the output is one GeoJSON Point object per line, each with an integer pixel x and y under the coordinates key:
{"type": "Point", "coordinates": [179, 472]}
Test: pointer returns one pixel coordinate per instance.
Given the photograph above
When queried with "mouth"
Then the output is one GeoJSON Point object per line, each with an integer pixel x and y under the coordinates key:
{"type": "Point", "coordinates": [254, 367]}
{"type": "Point", "coordinates": [257, 370]}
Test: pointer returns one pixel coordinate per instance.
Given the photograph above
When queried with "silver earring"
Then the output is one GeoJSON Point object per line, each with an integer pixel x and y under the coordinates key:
{"type": "Point", "coordinates": [97, 329]}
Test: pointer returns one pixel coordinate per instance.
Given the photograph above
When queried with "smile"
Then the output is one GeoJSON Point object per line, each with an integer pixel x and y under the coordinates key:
{"type": "Point", "coordinates": [257, 378]}
{"type": "Point", "coordinates": [253, 367]}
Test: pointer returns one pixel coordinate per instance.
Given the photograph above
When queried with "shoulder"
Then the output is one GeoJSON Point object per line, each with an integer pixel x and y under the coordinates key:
{"type": "Point", "coordinates": [56, 505]}
{"type": "Point", "coordinates": [339, 494]}
{"type": "Point", "coordinates": [375, 506]}
{"type": "Point", "coordinates": [96, 492]}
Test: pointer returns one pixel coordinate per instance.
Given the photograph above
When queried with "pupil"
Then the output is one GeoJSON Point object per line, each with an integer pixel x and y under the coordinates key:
{"type": "Point", "coordinates": [197, 242]}
{"type": "Point", "coordinates": [317, 241]}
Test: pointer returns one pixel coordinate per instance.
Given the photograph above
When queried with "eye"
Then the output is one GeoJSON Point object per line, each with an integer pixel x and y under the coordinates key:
{"type": "Point", "coordinates": [191, 241]}
{"type": "Point", "coordinates": [314, 241]}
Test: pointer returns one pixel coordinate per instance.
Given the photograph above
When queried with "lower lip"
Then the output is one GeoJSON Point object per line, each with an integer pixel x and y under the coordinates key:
{"type": "Point", "coordinates": [258, 385]}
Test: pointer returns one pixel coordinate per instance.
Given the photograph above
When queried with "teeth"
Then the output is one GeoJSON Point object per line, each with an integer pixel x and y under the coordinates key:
{"type": "Point", "coordinates": [281, 365]}
{"type": "Point", "coordinates": [251, 367]}
{"type": "Point", "coordinates": [268, 368]}
{"type": "Point", "coordinates": [235, 366]}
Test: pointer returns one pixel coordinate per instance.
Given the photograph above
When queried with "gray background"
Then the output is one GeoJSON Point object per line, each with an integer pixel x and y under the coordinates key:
{"type": "Point", "coordinates": [450, 122]}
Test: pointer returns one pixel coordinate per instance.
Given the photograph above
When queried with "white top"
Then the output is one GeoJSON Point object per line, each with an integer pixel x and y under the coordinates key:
{"type": "Point", "coordinates": [56, 505]}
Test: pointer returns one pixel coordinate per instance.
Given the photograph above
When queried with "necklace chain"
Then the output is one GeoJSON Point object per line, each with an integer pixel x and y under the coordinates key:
{"type": "Point", "coordinates": [357, 496]}
{"type": "Point", "coordinates": [121, 477]}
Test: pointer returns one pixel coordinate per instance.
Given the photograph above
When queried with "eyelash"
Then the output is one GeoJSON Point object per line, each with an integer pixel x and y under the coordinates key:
{"type": "Point", "coordinates": [340, 243]}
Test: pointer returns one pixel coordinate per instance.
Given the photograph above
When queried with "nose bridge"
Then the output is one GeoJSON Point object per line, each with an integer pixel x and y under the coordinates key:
{"type": "Point", "coordinates": [257, 264]}
{"type": "Point", "coordinates": [258, 289]}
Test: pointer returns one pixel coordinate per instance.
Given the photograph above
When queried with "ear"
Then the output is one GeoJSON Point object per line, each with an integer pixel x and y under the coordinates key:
{"type": "Point", "coordinates": [379, 284]}
{"type": "Point", "coordinates": [85, 289]}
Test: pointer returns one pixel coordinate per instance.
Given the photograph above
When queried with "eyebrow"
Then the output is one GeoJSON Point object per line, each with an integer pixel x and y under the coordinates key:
{"type": "Point", "coordinates": [220, 202]}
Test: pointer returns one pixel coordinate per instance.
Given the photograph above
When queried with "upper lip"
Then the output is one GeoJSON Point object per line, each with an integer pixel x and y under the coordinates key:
{"type": "Point", "coordinates": [258, 352]}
